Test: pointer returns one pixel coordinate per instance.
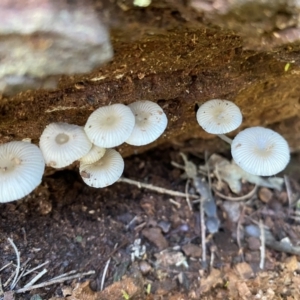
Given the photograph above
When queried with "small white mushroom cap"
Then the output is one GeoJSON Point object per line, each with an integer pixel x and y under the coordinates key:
{"type": "Point", "coordinates": [21, 169]}
{"type": "Point", "coordinates": [103, 172]}
{"type": "Point", "coordinates": [63, 143]}
{"type": "Point", "coordinates": [260, 151]}
{"type": "Point", "coordinates": [219, 116]}
{"type": "Point", "coordinates": [110, 126]}
{"type": "Point", "coordinates": [94, 154]}
{"type": "Point", "coordinates": [150, 122]}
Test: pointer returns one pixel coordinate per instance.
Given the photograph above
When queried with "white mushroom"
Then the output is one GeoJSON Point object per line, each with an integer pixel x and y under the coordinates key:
{"type": "Point", "coordinates": [150, 122]}
{"type": "Point", "coordinates": [219, 117]}
{"type": "Point", "coordinates": [63, 143]}
{"type": "Point", "coordinates": [21, 169]}
{"type": "Point", "coordinates": [93, 155]}
{"type": "Point", "coordinates": [260, 151]}
{"type": "Point", "coordinates": [110, 126]}
{"type": "Point", "coordinates": [103, 172]}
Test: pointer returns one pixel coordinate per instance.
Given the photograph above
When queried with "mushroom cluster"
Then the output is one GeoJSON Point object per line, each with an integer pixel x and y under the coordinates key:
{"type": "Point", "coordinates": [22, 164]}
{"type": "Point", "coordinates": [257, 150]}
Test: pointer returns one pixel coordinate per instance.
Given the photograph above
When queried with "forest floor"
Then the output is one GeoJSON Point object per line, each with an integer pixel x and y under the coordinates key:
{"type": "Point", "coordinates": [127, 242]}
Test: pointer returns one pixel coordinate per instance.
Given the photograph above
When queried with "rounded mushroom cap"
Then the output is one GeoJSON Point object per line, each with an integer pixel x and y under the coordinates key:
{"type": "Point", "coordinates": [110, 126]}
{"type": "Point", "coordinates": [93, 155]}
{"type": "Point", "coordinates": [21, 169]}
{"type": "Point", "coordinates": [63, 143]}
{"type": "Point", "coordinates": [150, 122]}
{"type": "Point", "coordinates": [260, 151]}
{"type": "Point", "coordinates": [103, 172]}
{"type": "Point", "coordinates": [219, 116]}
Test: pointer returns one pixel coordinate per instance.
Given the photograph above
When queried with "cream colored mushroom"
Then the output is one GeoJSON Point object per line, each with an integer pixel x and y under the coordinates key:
{"type": "Point", "coordinates": [63, 143]}
{"type": "Point", "coordinates": [219, 117]}
{"type": "Point", "coordinates": [21, 169]}
{"type": "Point", "coordinates": [110, 126]}
{"type": "Point", "coordinates": [260, 151]}
{"type": "Point", "coordinates": [150, 122]}
{"type": "Point", "coordinates": [103, 172]}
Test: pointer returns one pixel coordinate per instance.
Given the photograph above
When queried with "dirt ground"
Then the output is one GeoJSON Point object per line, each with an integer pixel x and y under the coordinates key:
{"type": "Point", "coordinates": [150, 243]}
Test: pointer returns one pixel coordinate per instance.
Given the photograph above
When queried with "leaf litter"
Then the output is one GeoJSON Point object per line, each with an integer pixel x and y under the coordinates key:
{"type": "Point", "coordinates": [251, 245]}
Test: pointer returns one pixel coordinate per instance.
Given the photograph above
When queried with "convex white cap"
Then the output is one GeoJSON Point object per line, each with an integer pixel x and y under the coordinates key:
{"type": "Point", "coordinates": [21, 169]}
{"type": "Point", "coordinates": [103, 172]}
{"type": "Point", "coordinates": [93, 155]}
{"type": "Point", "coordinates": [260, 151]}
{"type": "Point", "coordinates": [63, 143]}
{"type": "Point", "coordinates": [110, 126]}
{"type": "Point", "coordinates": [219, 116]}
{"type": "Point", "coordinates": [150, 122]}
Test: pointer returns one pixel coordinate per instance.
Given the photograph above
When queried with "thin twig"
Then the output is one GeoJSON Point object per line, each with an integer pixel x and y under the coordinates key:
{"type": "Point", "coordinates": [262, 247]}
{"type": "Point", "coordinates": [238, 231]}
{"type": "Point", "coordinates": [131, 222]}
{"type": "Point", "coordinates": [289, 191]}
{"type": "Point", "coordinates": [208, 173]}
{"type": "Point", "coordinates": [104, 274]}
{"type": "Point", "coordinates": [245, 197]}
{"type": "Point", "coordinates": [203, 237]}
{"type": "Point", "coordinates": [212, 255]}
{"type": "Point", "coordinates": [187, 195]}
{"type": "Point", "coordinates": [23, 269]}
{"type": "Point", "coordinates": [155, 188]}
{"type": "Point", "coordinates": [5, 284]}
{"type": "Point", "coordinates": [36, 268]}
{"type": "Point", "coordinates": [5, 266]}
{"type": "Point", "coordinates": [105, 270]}
{"type": "Point", "coordinates": [50, 282]}
{"type": "Point", "coordinates": [18, 263]}
{"type": "Point", "coordinates": [36, 278]}
{"type": "Point", "coordinates": [63, 275]}
{"type": "Point", "coordinates": [1, 290]}
{"type": "Point", "coordinates": [178, 205]}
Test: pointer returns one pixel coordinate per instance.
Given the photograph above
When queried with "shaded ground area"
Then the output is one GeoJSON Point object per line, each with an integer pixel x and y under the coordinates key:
{"type": "Point", "coordinates": [75, 227]}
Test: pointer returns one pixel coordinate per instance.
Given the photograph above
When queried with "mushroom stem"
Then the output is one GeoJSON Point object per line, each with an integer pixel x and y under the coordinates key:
{"type": "Point", "coordinates": [225, 138]}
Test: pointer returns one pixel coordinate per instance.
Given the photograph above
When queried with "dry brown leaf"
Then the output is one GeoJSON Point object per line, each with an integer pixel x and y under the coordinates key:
{"type": "Point", "coordinates": [214, 278]}
{"type": "Point", "coordinates": [291, 263]}
{"type": "Point", "coordinates": [244, 270]}
{"type": "Point", "coordinates": [131, 286]}
{"type": "Point", "coordinates": [82, 291]}
{"type": "Point", "coordinates": [243, 290]}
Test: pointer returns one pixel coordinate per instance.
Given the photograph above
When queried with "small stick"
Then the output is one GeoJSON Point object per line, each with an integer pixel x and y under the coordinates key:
{"type": "Point", "coordinates": [23, 269]}
{"type": "Point", "coordinates": [212, 256]}
{"type": "Point", "coordinates": [203, 237]}
{"type": "Point", "coordinates": [36, 278]}
{"type": "Point", "coordinates": [1, 290]}
{"type": "Point", "coordinates": [245, 197]}
{"type": "Point", "coordinates": [7, 265]}
{"type": "Point", "coordinates": [53, 281]}
{"type": "Point", "coordinates": [187, 195]}
{"type": "Point", "coordinates": [289, 191]}
{"type": "Point", "coordinates": [178, 205]}
{"type": "Point", "coordinates": [104, 274]}
{"type": "Point", "coordinates": [262, 247]}
{"type": "Point", "coordinates": [155, 188]}
{"type": "Point", "coordinates": [131, 222]}
{"type": "Point", "coordinates": [238, 231]}
{"type": "Point", "coordinates": [18, 263]}
{"type": "Point", "coordinates": [105, 270]}
{"type": "Point", "coordinates": [5, 284]}
{"type": "Point", "coordinates": [63, 275]}
{"type": "Point", "coordinates": [34, 269]}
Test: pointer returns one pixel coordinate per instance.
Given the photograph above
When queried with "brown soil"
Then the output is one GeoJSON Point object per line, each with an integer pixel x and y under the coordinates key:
{"type": "Point", "coordinates": [76, 227]}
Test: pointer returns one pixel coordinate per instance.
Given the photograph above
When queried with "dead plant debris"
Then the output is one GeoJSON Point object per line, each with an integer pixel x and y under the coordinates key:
{"type": "Point", "coordinates": [143, 244]}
